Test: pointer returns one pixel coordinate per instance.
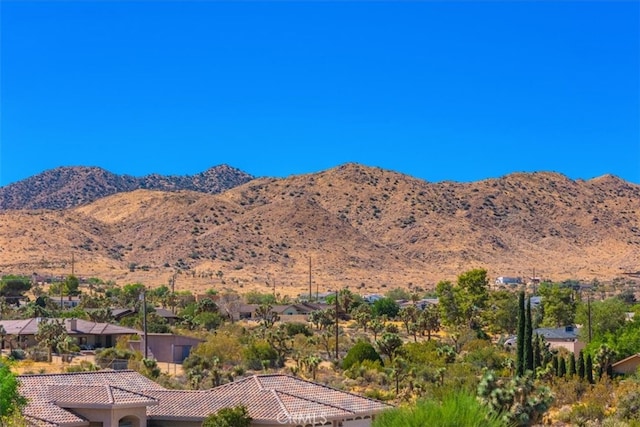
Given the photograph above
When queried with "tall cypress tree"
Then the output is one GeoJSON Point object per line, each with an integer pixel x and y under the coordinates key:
{"type": "Point", "coordinates": [528, 339]}
{"type": "Point", "coordinates": [572, 365]}
{"type": "Point", "coordinates": [520, 366]}
{"type": "Point", "coordinates": [581, 367]}
{"type": "Point", "coordinates": [589, 369]}
{"type": "Point", "coordinates": [562, 367]}
{"type": "Point", "coordinates": [537, 354]}
{"type": "Point", "coordinates": [555, 364]}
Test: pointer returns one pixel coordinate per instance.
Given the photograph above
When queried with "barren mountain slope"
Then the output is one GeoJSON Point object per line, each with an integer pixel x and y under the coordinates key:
{"type": "Point", "coordinates": [360, 226]}
{"type": "Point", "coordinates": [72, 186]}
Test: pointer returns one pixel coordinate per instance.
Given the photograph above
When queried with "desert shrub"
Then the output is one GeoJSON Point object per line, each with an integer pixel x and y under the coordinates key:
{"type": "Point", "coordinates": [483, 354]}
{"type": "Point", "coordinates": [17, 354]}
{"type": "Point", "coordinates": [628, 407]}
{"type": "Point", "coordinates": [361, 351]}
{"type": "Point", "coordinates": [379, 394]}
{"type": "Point", "coordinates": [295, 328]}
{"type": "Point", "coordinates": [584, 413]}
{"type": "Point", "coordinates": [569, 392]}
{"type": "Point", "coordinates": [260, 354]}
{"type": "Point", "coordinates": [455, 409]}
{"type": "Point", "coordinates": [83, 366]}
{"type": "Point", "coordinates": [110, 357]}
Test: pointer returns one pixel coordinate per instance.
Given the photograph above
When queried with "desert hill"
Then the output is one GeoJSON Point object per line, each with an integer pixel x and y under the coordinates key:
{"type": "Point", "coordinates": [71, 186]}
{"type": "Point", "coordinates": [361, 227]}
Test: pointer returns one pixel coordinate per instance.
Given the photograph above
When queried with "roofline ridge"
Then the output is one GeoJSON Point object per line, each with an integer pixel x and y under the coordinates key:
{"type": "Point", "coordinates": [274, 393]}
{"type": "Point", "coordinates": [315, 401]}
{"type": "Point", "coordinates": [112, 399]}
{"type": "Point", "coordinates": [321, 385]}
{"type": "Point", "coordinates": [257, 381]}
{"type": "Point", "coordinates": [133, 392]}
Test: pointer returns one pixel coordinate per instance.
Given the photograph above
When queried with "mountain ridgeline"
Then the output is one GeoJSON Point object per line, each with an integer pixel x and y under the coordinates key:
{"type": "Point", "coordinates": [68, 187]}
{"type": "Point", "coordinates": [353, 225]}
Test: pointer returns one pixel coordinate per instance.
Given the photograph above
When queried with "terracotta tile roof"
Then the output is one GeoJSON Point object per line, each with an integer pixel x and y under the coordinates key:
{"type": "Point", "coordinates": [267, 397]}
{"type": "Point", "coordinates": [35, 422]}
{"type": "Point", "coordinates": [320, 393]}
{"type": "Point", "coordinates": [73, 396]}
{"type": "Point", "coordinates": [42, 390]}
{"type": "Point", "coordinates": [46, 411]}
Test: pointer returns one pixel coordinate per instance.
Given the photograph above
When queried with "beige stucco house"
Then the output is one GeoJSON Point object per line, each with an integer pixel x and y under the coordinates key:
{"type": "Point", "coordinates": [628, 365]}
{"type": "Point", "coordinates": [128, 399]}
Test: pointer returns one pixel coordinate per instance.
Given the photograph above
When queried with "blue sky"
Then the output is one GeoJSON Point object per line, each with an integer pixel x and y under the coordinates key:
{"type": "Point", "coordinates": [440, 90]}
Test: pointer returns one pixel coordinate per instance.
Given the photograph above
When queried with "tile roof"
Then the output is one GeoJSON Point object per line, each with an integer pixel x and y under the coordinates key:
{"type": "Point", "coordinates": [35, 422]}
{"type": "Point", "coordinates": [85, 327]}
{"type": "Point", "coordinates": [41, 391]}
{"type": "Point", "coordinates": [268, 398]}
{"type": "Point", "coordinates": [73, 396]}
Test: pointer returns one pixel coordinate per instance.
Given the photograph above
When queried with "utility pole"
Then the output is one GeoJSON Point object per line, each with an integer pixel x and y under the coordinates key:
{"type": "Point", "coordinates": [173, 293]}
{"type": "Point", "coordinates": [310, 279]}
{"type": "Point", "coordinates": [336, 324]}
{"type": "Point", "coordinates": [589, 313]}
{"type": "Point", "coordinates": [143, 297]}
{"type": "Point", "coordinates": [73, 267]}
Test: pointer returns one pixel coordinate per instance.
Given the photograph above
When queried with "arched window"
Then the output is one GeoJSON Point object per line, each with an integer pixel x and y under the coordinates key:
{"type": "Point", "coordinates": [129, 421]}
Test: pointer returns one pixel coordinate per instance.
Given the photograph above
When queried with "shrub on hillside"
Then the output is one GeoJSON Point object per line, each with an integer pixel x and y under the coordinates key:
{"type": "Point", "coordinates": [455, 409]}
{"type": "Point", "coordinates": [360, 352]}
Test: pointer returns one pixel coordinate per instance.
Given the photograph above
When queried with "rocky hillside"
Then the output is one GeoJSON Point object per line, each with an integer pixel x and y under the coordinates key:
{"type": "Point", "coordinates": [362, 227]}
{"type": "Point", "coordinates": [68, 187]}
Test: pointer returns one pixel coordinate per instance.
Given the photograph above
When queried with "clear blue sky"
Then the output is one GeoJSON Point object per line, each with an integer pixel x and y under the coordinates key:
{"type": "Point", "coordinates": [440, 90]}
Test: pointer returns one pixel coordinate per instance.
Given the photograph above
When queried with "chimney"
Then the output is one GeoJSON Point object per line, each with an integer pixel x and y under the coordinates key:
{"type": "Point", "coordinates": [72, 324]}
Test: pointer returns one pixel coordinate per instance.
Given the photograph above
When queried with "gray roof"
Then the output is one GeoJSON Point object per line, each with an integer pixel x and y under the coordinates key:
{"type": "Point", "coordinates": [83, 327]}
{"type": "Point", "coordinates": [566, 333]}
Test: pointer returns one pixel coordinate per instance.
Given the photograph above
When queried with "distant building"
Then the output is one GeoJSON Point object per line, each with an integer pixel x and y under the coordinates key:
{"type": "Point", "coordinates": [371, 298]}
{"type": "Point", "coordinates": [566, 337]}
{"type": "Point", "coordinates": [85, 332]}
{"type": "Point", "coordinates": [628, 365]}
{"type": "Point", "coordinates": [503, 280]}
{"type": "Point", "coordinates": [66, 301]}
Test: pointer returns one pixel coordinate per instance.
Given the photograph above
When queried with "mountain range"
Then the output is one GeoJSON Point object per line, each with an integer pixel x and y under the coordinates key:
{"type": "Point", "coordinates": [350, 226]}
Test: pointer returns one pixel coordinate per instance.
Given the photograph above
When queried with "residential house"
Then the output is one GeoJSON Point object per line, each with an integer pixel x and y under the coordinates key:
{"type": "Point", "coordinates": [627, 365]}
{"type": "Point", "coordinates": [504, 280]}
{"type": "Point", "coordinates": [566, 337]}
{"type": "Point", "coordinates": [67, 302]}
{"type": "Point", "coordinates": [168, 315]}
{"type": "Point", "coordinates": [298, 312]}
{"type": "Point", "coordinates": [126, 398]}
{"type": "Point", "coordinates": [85, 332]}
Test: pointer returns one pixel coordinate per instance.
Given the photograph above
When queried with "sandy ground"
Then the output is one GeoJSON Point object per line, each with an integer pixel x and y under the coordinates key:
{"type": "Point", "coordinates": [57, 366]}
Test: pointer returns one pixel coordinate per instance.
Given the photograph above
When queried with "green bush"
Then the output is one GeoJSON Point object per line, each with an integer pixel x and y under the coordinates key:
{"type": "Point", "coordinates": [361, 351]}
{"type": "Point", "coordinates": [259, 354]}
{"type": "Point", "coordinates": [455, 410]}
{"type": "Point", "coordinates": [295, 328]}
